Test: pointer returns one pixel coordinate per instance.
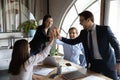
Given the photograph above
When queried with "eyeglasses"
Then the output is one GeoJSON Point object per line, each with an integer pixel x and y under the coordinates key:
{"type": "Point", "coordinates": [81, 20]}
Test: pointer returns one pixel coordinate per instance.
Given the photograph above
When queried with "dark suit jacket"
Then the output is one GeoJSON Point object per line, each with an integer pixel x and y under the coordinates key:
{"type": "Point", "coordinates": [38, 43]}
{"type": "Point", "coordinates": [108, 45]}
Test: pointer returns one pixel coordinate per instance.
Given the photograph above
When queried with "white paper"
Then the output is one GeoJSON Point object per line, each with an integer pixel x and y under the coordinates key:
{"type": "Point", "coordinates": [43, 71]}
{"type": "Point", "coordinates": [92, 77]}
{"type": "Point", "coordinates": [68, 69]}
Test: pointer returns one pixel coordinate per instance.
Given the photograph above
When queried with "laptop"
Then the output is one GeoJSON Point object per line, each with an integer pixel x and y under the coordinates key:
{"type": "Point", "coordinates": [73, 75]}
{"type": "Point", "coordinates": [50, 61]}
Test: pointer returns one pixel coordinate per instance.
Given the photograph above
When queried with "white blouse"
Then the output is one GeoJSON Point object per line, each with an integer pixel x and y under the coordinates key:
{"type": "Point", "coordinates": [27, 75]}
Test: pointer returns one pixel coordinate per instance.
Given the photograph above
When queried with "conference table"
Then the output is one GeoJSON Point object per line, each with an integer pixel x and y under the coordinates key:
{"type": "Point", "coordinates": [89, 74]}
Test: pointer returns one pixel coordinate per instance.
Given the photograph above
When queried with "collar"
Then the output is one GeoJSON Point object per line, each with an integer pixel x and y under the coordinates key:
{"type": "Point", "coordinates": [93, 28]}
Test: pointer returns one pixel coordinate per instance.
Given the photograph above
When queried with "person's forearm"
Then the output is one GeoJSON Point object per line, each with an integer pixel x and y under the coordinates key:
{"type": "Point", "coordinates": [57, 41]}
{"type": "Point", "coordinates": [45, 52]}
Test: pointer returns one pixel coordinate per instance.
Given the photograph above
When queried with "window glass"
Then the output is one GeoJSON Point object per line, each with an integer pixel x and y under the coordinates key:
{"type": "Point", "coordinates": [95, 9]}
{"type": "Point", "coordinates": [114, 17]}
{"type": "Point", "coordinates": [1, 23]}
{"type": "Point", "coordinates": [83, 4]}
{"type": "Point", "coordinates": [63, 33]}
{"type": "Point", "coordinates": [13, 13]}
{"type": "Point", "coordinates": [77, 25]}
{"type": "Point", "coordinates": [70, 17]}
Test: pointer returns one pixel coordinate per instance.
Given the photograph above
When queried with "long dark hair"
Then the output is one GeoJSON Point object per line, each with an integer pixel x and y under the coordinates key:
{"type": "Point", "coordinates": [45, 18]}
{"type": "Point", "coordinates": [19, 56]}
{"type": "Point", "coordinates": [43, 23]}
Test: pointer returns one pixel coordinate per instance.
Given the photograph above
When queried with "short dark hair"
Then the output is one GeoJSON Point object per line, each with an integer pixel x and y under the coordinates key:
{"type": "Point", "coordinates": [86, 15]}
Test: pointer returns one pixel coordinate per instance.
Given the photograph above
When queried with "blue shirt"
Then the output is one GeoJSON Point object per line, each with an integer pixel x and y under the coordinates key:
{"type": "Point", "coordinates": [72, 52]}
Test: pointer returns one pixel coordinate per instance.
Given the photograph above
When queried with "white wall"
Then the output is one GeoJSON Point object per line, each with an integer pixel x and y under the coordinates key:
{"type": "Point", "coordinates": [5, 57]}
{"type": "Point", "coordinates": [7, 39]}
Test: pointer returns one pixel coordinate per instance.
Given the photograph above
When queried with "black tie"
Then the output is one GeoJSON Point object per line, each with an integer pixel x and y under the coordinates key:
{"type": "Point", "coordinates": [91, 45]}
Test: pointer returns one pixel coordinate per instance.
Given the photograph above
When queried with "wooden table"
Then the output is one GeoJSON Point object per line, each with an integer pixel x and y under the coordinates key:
{"type": "Point", "coordinates": [58, 77]}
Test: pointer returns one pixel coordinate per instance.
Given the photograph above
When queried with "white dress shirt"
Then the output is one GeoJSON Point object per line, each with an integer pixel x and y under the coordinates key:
{"type": "Point", "coordinates": [95, 45]}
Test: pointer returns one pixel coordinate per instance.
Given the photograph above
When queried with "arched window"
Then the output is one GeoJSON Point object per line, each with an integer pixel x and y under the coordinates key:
{"type": "Point", "coordinates": [114, 17]}
{"type": "Point", "coordinates": [72, 19]}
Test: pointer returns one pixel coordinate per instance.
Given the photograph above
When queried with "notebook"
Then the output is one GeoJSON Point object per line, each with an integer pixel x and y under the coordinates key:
{"type": "Point", "coordinates": [43, 71]}
{"type": "Point", "coordinates": [93, 77]}
{"type": "Point", "coordinates": [73, 75]}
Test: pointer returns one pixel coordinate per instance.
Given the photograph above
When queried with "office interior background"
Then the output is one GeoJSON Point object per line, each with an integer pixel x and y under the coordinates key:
{"type": "Point", "coordinates": [64, 12]}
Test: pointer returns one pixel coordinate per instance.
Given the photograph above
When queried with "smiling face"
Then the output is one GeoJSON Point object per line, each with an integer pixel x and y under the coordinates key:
{"type": "Point", "coordinates": [86, 19]}
{"type": "Point", "coordinates": [86, 23]}
{"type": "Point", "coordinates": [48, 22]}
{"type": "Point", "coordinates": [73, 33]}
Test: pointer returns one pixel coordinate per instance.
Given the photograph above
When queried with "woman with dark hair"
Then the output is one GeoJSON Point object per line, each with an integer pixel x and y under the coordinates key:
{"type": "Point", "coordinates": [41, 37]}
{"type": "Point", "coordinates": [21, 65]}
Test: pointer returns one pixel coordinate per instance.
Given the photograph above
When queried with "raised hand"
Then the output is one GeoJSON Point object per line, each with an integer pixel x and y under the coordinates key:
{"type": "Point", "coordinates": [52, 36]}
{"type": "Point", "coordinates": [56, 32]}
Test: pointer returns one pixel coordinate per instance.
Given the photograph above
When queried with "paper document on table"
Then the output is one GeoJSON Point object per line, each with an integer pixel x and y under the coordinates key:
{"type": "Point", "coordinates": [92, 77]}
{"type": "Point", "coordinates": [68, 69]}
{"type": "Point", "coordinates": [43, 71]}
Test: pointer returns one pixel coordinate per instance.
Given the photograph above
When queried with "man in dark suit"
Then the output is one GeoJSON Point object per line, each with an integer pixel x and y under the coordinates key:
{"type": "Point", "coordinates": [100, 56]}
